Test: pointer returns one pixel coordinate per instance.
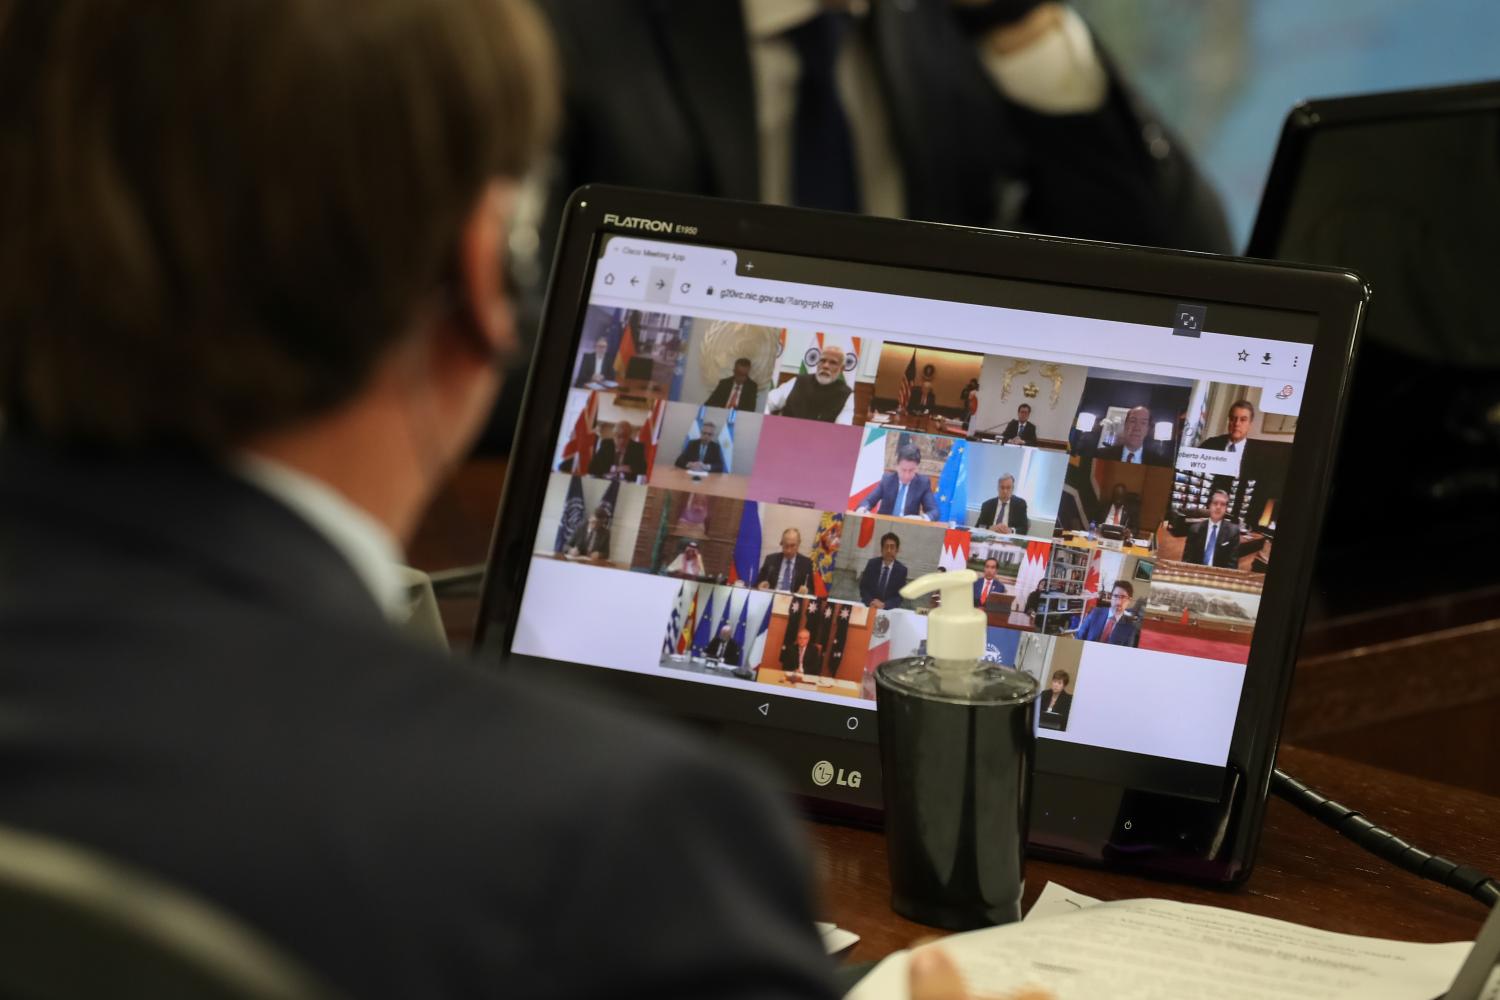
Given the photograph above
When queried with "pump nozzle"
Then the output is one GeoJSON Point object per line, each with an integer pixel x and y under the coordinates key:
{"type": "Point", "coordinates": [956, 630]}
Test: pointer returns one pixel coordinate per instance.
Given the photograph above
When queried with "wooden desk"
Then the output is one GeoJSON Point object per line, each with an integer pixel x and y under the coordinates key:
{"type": "Point", "coordinates": [718, 484]}
{"type": "Point", "coordinates": [770, 675]}
{"type": "Point", "coordinates": [1305, 873]}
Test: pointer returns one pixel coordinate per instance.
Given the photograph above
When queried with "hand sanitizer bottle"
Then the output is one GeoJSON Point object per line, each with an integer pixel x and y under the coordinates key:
{"type": "Point", "coordinates": [956, 747]}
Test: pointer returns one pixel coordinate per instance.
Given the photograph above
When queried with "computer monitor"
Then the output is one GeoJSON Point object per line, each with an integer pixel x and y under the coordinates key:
{"type": "Point", "coordinates": [1114, 438]}
{"type": "Point", "coordinates": [1405, 188]}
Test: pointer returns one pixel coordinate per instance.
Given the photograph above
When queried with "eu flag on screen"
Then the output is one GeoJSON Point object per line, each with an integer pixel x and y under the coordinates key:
{"type": "Point", "coordinates": [744, 623]}
{"type": "Point", "coordinates": [705, 631]}
{"type": "Point", "coordinates": [953, 486]}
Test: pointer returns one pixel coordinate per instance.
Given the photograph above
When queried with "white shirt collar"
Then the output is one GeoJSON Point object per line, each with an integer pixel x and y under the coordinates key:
{"type": "Point", "coordinates": [364, 543]}
{"type": "Point", "coordinates": [765, 19]}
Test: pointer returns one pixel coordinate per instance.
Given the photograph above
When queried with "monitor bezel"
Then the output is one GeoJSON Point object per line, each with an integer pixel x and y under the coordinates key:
{"type": "Point", "coordinates": [1098, 821]}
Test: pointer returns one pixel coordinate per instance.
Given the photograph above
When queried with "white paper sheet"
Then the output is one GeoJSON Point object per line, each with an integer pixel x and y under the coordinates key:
{"type": "Point", "coordinates": [1141, 949]}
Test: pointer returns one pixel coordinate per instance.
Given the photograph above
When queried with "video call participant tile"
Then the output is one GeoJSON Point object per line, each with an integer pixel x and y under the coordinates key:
{"type": "Point", "coordinates": [1118, 585]}
{"type": "Point", "coordinates": [1202, 530]}
{"type": "Point", "coordinates": [607, 436]}
{"type": "Point", "coordinates": [1237, 447]}
{"type": "Point", "coordinates": [878, 557]}
{"type": "Point", "coordinates": [1130, 417]}
{"type": "Point", "coordinates": [1057, 672]}
{"type": "Point", "coordinates": [630, 351]}
{"type": "Point", "coordinates": [804, 463]}
{"type": "Point", "coordinates": [925, 389]}
{"type": "Point", "coordinates": [1196, 611]}
{"type": "Point", "coordinates": [729, 365]}
{"type": "Point", "coordinates": [779, 546]}
{"type": "Point", "coordinates": [818, 376]}
{"type": "Point", "coordinates": [1028, 402]}
{"type": "Point", "coordinates": [706, 450]}
{"type": "Point", "coordinates": [716, 630]}
{"type": "Point", "coordinates": [1012, 575]}
{"type": "Point", "coordinates": [904, 474]}
{"type": "Point", "coordinates": [1013, 490]}
{"type": "Point", "coordinates": [590, 521]}
{"type": "Point", "coordinates": [817, 645]}
{"type": "Point", "coordinates": [687, 535]}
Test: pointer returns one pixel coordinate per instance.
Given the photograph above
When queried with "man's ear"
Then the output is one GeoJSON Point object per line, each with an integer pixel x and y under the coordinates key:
{"type": "Point", "coordinates": [481, 266]}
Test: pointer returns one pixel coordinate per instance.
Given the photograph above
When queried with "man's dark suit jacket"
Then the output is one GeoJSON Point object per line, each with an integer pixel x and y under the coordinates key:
{"type": "Point", "coordinates": [605, 458]}
{"type": "Point", "coordinates": [1226, 547]}
{"type": "Point", "coordinates": [712, 456]}
{"type": "Point", "coordinates": [812, 663]}
{"type": "Point", "coordinates": [1092, 628]}
{"type": "Point", "coordinates": [1019, 522]}
{"type": "Point", "coordinates": [585, 373]}
{"type": "Point", "coordinates": [1130, 511]}
{"type": "Point", "coordinates": [770, 572]}
{"type": "Point", "coordinates": [1152, 453]}
{"type": "Point", "coordinates": [580, 540]}
{"type": "Point", "coordinates": [869, 583]}
{"type": "Point", "coordinates": [720, 395]}
{"type": "Point", "coordinates": [919, 497]}
{"type": "Point", "coordinates": [965, 150]}
{"type": "Point", "coordinates": [995, 588]}
{"type": "Point", "coordinates": [196, 683]}
{"type": "Point", "coordinates": [1058, 717]}
{"type": "Point", "coordinates": [1028, 436]}
{"type": "Point", "coordinates": [725, 650]}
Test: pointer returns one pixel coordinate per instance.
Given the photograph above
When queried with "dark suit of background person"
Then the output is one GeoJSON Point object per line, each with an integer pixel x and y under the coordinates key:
{"type": "Point", "coordinates": [812, 660]}
{"type": "Point", "coordinates": [1015, 512]}
{"type": "Point", "coordinates": [869, 582]}
{"type": "Point", "coordinates": [709, 453]}
{"type": "Point", "coordinates": [720, 396]}
{"type": "Point", "coordinates": [1054, 715]}
{"type": "Point", "coordinates": [1226, 553]}
{"type": "Point", "coordinates": [770, 572]}
{"type": "Point", "coordinates": [606, 458]}
{"type": "Point", "coordinates": [1092, 628]}
{"type": "Point", "coordinates": [723, 650]}
{"type": "Point", "coordinates": [922, 401]}
{"type": "Point", "coordinates": [591, 370]}
{"type": "Point", "coordinates": [687, 123]}
{"type": "Point", "coordinates": [1014, 429]}
{"type": "Point", "coordinates": [919, 496]}
{"type": "Point", "coordinates": [1130, 511]}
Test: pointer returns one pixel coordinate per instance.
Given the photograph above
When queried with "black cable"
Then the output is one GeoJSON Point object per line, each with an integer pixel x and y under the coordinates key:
{"type": "Point", "coordinates": [1385, 845]}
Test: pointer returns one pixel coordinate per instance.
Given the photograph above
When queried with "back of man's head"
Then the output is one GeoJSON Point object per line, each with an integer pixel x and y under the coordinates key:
{"type": "Point", "coordinates": [219, 215]}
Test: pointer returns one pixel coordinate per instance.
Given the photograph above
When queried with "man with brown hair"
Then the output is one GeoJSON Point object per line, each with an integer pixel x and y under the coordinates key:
{"type": "Point", "coordinates": [251, 310]}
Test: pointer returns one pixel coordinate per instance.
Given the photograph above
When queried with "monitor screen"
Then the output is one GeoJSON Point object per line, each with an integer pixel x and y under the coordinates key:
{"type": "Point", "coordinates": [758, 450]}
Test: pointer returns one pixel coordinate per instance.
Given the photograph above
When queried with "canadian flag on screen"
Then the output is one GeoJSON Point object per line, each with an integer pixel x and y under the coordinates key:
{"type": "Point", "coordinates": [955, 550]}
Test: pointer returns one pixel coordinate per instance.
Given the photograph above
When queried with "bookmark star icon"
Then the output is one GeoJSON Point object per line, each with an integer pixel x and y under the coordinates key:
{"type": "Point", "coordinates": [1244, 355]}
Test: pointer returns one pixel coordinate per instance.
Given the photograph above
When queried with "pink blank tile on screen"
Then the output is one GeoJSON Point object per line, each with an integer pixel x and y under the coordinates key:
{"type": "Point", "coordinates": [805, 463]}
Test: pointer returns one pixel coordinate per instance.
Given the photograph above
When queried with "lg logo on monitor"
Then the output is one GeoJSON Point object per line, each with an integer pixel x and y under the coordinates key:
{"type": "Point", "coordinates": [824, 772]}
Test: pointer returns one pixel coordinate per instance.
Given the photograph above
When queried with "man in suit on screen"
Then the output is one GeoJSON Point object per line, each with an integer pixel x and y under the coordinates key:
{"type": "Point", "coordinates": [620, 456]}
{"type": "Point", "coordinates": [881, 582]}
{"type": "Point", "coordinates": [988, 585]}
{"type": "Point", "coordinates": [903, 492]}
{"type": "Point", "coordinates": [803, 657]}
{"type": "Point", "coordinates": [723, 647]}
{"type": "Point", "coordinates": [1216, 540]}
{"type": "Point", "coordinates": [788, 569]}
{"type": "Point", "coordinates": [1020, 430]}
{"type": "Point", "coordinates": [734, 392]}
{"type": "Point", "coordinates": [1004, 512]}
{"type": "Point", "coordinates": [704, 454]}
{"type": "Point", "coordinates": [1133, 446]}
{"type": "Point", "coordinates": [595, 366]}
{"type": "Point", "coordinates": [1122, 508]}
{"type": "Point", "coordinates": [1113, 624]}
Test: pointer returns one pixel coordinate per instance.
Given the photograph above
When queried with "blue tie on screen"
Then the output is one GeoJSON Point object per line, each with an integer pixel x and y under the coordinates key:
{"type": "Point", "coordinates": [1208, 547]}
{"type": "Point", "coordinates": [786, 574]}
{"type": "Point", "coordinates": [900, 510]}
{"type": "Point", "coordinates": [1000, 518]}
{"type": "Point", "coordinates": [822, 148]}
{"type": "Point", "coordinates": [885, 578]}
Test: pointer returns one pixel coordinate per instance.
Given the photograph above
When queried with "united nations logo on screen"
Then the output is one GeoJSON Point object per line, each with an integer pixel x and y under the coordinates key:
{"type": "Point", "coordinates": [822, 773]}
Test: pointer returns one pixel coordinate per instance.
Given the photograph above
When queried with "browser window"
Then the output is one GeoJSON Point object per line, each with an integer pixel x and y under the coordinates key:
{"type": "Point", "coordinates": [758, 451]}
